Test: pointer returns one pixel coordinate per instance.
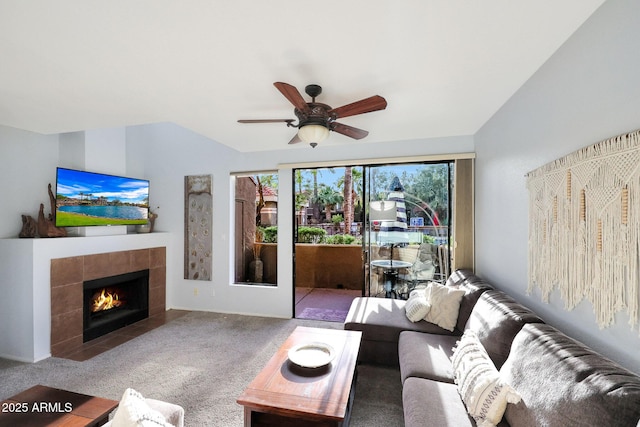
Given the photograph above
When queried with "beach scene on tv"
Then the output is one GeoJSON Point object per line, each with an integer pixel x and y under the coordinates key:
{"type": "Point", "coordinates": [87, 199]}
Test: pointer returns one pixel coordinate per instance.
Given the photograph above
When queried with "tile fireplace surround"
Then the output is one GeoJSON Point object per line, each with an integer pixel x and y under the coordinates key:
{"type": "Point", "coordinates": [68, 274]}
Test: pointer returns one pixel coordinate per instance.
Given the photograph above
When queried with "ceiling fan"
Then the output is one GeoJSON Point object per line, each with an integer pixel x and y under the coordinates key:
{"type": "Point", "coordinates": [315, 119]}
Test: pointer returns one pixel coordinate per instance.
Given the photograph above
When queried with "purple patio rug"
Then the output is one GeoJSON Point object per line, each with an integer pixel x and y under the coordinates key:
{"type": "Point", "coordinates": [326, 314]}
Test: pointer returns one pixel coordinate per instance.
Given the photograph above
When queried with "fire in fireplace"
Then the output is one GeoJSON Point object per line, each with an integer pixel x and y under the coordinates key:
{"type": "Point", "coordinates": [113, 302]}
{"type": "Point", "coordinates": [107, 299]}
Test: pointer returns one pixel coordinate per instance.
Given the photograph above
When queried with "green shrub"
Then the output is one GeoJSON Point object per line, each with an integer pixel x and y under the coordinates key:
{"type": "Point", "coordinates": [340, 239]}
{"type": "Point", "coordinates": [336, 219]}
{"type": "Point", "coordinates": [428, 239]}
{"type": "Point", "coordinates": [270, 234]}
{"type": "Point", "coordinates": [336, 239]}
{"type": "Point", "coordinates": [311, 234]}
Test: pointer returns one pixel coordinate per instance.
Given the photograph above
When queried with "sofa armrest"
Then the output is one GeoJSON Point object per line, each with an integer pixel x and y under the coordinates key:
{"type": "Point", "coordinates": [174, 414]}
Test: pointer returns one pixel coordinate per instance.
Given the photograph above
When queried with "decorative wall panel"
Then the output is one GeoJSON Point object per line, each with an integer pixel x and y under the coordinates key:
{"type": "Point", "coordinates": [198, 223]}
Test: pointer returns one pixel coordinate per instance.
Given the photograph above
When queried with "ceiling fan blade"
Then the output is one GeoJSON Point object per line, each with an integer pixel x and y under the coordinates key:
{"type": "Point", "coordinates": [295, 139]}
{"type": "Point", "coordinates": [293, 95]}
{"type": "Point", "coordinates": [367, 105]}
{"type": "Point", "coordinates": [349, 131]}
{"type": "Point", "coordinates": [288, 121]}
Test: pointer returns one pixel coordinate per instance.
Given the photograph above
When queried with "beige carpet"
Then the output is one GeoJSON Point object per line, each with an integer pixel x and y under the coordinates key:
{"type": "Point", "coordinates": [201, 361]}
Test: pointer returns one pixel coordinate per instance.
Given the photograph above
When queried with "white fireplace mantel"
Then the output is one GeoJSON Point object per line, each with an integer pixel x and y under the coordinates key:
{"type": "Point", "coordinates": [25, 290]}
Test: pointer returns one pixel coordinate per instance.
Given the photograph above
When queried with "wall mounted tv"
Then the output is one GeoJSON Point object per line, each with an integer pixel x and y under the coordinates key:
{"type": "Point", "coordinates": [88, 198]}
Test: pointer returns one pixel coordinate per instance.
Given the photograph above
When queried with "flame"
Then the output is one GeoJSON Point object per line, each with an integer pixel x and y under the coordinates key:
{"type": "Point", "coordinates": [105, 301]}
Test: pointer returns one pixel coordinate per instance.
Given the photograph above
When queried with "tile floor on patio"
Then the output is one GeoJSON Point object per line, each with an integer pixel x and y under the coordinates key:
{"type": "Point", "coordinates": [323, 303]}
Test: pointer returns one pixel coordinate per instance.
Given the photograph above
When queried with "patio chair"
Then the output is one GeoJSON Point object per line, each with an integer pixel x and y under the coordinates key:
{"type": "Point", "coordinates": [442, 264]}
{"type": "Point", "coordinates": [421, 271]}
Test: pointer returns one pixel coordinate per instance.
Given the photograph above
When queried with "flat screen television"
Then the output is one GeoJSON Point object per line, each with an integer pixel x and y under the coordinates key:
{"type": "Point", "coordinates": [88, 199]}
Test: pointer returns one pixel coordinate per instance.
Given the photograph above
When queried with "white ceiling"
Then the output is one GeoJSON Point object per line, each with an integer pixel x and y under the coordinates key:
{"type": "Point", "coordinates": [444, 66]}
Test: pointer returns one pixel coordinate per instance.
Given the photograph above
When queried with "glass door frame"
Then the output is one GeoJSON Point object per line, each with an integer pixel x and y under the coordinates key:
{"type": "Point", "coordinates": [368, 242]}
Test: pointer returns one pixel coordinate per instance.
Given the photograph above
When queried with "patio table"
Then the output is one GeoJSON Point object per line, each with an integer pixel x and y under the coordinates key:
{"type": "Point", "coordinates": [390, 270]}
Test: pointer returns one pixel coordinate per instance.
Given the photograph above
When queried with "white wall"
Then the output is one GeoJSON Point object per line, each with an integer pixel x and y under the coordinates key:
{"type": "Point", "coordinates": [588, 91]}
{"type": "Point", "coordinates": [105, 151]}
{"type": "Point", "coordinates": [27, 164]}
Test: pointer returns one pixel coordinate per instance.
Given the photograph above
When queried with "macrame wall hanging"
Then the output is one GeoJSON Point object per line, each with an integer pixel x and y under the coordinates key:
{"type": "Point", "coordinates": [584, 227]}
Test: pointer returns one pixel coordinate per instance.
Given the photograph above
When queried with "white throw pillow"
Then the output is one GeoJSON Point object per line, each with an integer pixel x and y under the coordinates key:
{"type": "Point", "coordinates": [133, 411]}
{"type": "Point", "coordinates": [417, 306]}
{"type": "Point", "coordinates": [479, 383]}
{"type": "Point", "coordinates": [417, 292]}
{"type": "Point", "coordinates": [445, 305]}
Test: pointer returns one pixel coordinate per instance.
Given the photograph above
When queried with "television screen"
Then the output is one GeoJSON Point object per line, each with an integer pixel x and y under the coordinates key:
{"type": "Point", "coordinates": [87, 198]}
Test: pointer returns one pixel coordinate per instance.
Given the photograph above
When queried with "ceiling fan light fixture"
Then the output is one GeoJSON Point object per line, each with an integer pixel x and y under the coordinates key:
{"type": "Point", "coordinates": [313, 133]}
{"type": "Point", "coordinates": [316, 120]}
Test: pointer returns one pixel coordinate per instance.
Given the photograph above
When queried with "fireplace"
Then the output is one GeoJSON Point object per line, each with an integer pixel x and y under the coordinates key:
{"type": "Point", "coordinates": [110, 303]}
{"type": "Point", "coordinates": [67, 295]}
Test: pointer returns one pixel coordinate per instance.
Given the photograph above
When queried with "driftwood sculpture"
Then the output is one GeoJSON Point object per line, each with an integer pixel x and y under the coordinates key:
{"type": "Point", "coordinates": [29, 226]}
{"type": "Point", "coordinates": [47, 226]}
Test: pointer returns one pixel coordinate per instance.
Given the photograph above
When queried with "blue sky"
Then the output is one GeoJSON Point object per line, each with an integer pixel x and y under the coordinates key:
{"type": "Point", "coordinates": [71, 183]}
{"type": "Point", "coordinates": [326, 176]}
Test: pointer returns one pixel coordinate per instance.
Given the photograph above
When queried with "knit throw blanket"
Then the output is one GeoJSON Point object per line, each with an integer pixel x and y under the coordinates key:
{"type": "Point", "coordinates": [584, 227]}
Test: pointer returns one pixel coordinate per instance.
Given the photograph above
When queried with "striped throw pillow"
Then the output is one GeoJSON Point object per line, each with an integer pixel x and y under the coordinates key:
{"type": "Point", "coordinates": [482, 389]}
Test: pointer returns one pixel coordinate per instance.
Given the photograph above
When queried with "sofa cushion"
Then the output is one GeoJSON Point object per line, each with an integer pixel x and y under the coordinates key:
{"type": "Point", "coordinates": [433, 403]}
{"type": "Point", "coordinates": [382, 319]}
{"type": "Point", "coordinates": [445, 305]}
{"type": "Point", "coordinates": [474, 287]}
{"type": "Point", "coordinates": [459, 276]}
{"type": "Point", "coordinates": [426, 356]}
{"type": "Point", "coordinates": [564, 383]}
{"type": "Point", "coordinates": [496, 319]}
{"type": "Point", "coordinates": [483, 391]}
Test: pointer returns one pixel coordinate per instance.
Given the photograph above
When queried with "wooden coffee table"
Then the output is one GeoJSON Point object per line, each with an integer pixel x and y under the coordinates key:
{"type": "Point", "coordinates": [283, 394]}
{"type": "Point", "coordinates": [45, 406]}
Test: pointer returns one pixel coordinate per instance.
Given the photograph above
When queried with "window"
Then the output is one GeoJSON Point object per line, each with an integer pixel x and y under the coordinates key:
{"type": "Point", "coordinates": [256, 231]}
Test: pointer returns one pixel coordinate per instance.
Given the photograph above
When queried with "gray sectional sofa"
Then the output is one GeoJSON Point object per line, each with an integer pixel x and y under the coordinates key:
{"type": "Point", "coordinates": [561, 382]}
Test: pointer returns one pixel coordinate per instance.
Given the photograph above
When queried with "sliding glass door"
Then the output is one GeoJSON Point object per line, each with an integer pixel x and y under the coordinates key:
{"type": "Point", "coordinates": [327, 241]}
{"type": "Point", "coordinates": [407, 226]}
{"type": "Point", "coordinates": [373, 230]}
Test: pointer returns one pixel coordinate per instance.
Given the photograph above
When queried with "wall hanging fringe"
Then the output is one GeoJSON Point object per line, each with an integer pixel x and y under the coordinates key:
{"type": "Point", "coordinates": [584, 228]}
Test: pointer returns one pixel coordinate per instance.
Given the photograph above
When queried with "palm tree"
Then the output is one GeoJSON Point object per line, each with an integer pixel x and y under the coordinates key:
{"type": "Point", "coordinates": [302, 195]}
{"type": "Point", "coordinates": [348, 199]}
{"type": "Point", "coordinates": [262, 181]}
{"type": "Point", "coordinates": [260, 203]}
{"type": "Point", "coordinates": [352, 178]}
{"type": "Point", "coordinates": [329, 198]}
